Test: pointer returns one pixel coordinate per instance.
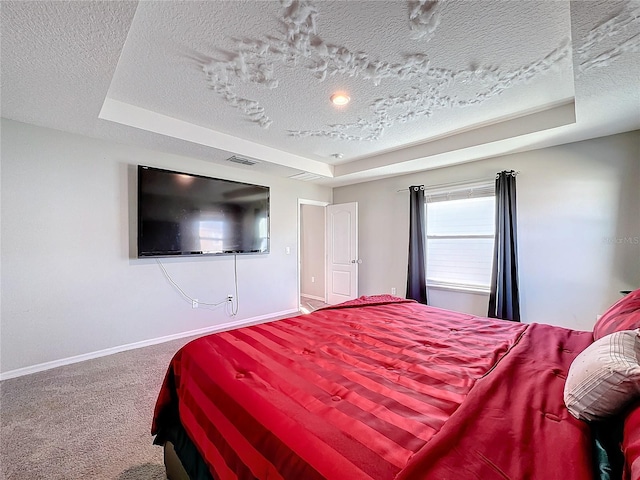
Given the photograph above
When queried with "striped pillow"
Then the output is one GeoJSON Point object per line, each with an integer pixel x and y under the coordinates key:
{"type": "Point", "coordinates": [605, 377]}
{"type": "Point", "coordinates": [623, 315]}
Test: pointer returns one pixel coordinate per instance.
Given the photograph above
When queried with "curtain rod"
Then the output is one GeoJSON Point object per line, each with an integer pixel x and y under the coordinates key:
{"type": "Point", "coordinates": [458, 184]}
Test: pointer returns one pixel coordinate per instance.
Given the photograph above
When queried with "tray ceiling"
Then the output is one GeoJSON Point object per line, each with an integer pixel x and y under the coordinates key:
{"type": "Point", "coordinates": [431, 83]}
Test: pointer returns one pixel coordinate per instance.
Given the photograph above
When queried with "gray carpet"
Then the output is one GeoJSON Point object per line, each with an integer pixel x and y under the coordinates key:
{"type": "Point", "coordinates": [90, 420]}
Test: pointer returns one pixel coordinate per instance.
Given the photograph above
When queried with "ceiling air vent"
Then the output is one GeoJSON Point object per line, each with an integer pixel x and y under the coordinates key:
{"type": "Point", "coordinates": [306, 176]}
{"type": "Point", "coordinates": [241, 160]}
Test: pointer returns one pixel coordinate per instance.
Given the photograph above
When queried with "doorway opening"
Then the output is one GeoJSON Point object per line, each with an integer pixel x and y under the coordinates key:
{"type": "Point", "coordinates": [312, 267]}
{"type": "Point", "coordinates": [328, 260]}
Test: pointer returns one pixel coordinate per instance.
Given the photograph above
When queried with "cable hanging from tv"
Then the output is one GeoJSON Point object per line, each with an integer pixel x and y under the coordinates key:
{"type": "Point", "coordinates": [191, 299]}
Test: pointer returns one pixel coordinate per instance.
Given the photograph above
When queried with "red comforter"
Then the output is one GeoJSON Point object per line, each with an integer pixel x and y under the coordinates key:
{"type": "Point", "coordinates": [380, 388]}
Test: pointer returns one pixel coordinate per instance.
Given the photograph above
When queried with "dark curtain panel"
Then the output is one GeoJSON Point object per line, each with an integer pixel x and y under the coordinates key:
{"type": "Point", "coordinates": [504, 300]}
{"type": "Point", "coordinates": [416, 276]}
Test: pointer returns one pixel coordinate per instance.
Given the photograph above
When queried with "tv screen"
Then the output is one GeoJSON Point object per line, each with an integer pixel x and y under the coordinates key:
{"type": "Point", "coordinates": [185, 214]}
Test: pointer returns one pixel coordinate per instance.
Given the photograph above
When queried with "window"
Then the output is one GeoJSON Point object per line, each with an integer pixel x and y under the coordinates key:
{"type": "Point", "coordinates": [460, 238]}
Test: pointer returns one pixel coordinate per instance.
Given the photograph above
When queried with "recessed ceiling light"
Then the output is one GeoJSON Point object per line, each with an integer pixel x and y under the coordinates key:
{"type": "Point", "coordinates": [340, 98]}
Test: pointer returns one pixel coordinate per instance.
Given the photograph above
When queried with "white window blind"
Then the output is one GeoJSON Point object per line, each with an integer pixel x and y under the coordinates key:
{"type": "Point", "coordinates": [460, 237]}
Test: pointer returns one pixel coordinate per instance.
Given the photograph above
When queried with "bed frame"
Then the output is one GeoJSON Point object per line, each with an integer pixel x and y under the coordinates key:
{"type": "Point", "coordinates": [173, 465]}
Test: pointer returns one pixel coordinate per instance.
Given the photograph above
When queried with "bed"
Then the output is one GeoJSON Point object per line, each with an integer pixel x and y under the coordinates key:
{"type": "Point", "coordinates": [384, 388]}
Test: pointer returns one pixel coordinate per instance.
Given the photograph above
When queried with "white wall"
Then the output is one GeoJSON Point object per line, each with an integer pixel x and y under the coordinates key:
{"type": "Point", "coordinates": [578, 228]}
{"type": "Point", "coordinates": [70, 285]}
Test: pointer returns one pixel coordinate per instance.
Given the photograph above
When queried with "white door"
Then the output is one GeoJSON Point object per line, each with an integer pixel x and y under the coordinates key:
{"type": "Point", "coordinates": [342, 252]}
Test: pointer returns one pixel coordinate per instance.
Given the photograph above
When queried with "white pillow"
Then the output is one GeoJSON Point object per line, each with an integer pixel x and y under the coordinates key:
{"type": "Point", "coordinates": [605, 377]}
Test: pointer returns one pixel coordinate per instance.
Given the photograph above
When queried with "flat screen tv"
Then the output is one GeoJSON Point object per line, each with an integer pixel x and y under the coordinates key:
{"type": "Point", "coordinates": [184, 214]}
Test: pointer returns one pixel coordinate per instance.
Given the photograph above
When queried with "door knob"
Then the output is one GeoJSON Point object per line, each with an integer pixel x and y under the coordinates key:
{"type": "Point", "coordinates": [356, 261]}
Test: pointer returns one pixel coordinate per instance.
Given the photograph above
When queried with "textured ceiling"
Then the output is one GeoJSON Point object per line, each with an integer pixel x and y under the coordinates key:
{"type": "Point", "coordinates": [431, 83]}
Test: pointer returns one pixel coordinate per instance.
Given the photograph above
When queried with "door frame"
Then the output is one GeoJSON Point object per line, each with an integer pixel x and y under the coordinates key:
{"type": "Point", "coordinates": [303, 201]}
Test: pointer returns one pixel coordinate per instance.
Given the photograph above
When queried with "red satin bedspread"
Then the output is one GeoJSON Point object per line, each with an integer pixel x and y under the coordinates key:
{"type": "Point", "coordinates": [381, 388]}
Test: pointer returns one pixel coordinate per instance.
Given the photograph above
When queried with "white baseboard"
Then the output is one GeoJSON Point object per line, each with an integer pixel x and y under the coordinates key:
{"type": "Point", "coordinates": [19, 372]}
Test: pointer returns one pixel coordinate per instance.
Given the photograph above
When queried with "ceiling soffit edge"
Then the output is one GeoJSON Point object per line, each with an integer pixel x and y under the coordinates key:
{"type": "Point", "coordinates": [508, 128]}
{"type": "Point", "coordinates": [137, 117]}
